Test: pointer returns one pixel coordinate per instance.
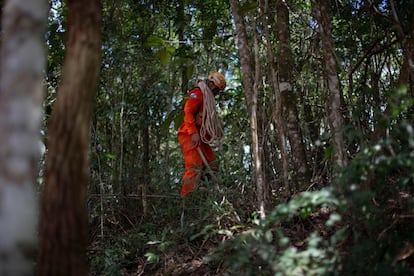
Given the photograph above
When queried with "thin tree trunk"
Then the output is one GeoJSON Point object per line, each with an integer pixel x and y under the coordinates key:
{"type": "Point", "coordinates": [248, 85]}
{"type": "Point", "coordinates": [64, 214]}
{"type": "Point", "coordinates": [280, 123]}
{"type": "Point", "coordinates": [182, 49]}
{"type": "Point", "coordinates": [22, 65]}
{"type": "Point", "coordinates": [289, 98]}
{"type": "Point", "coordinates": [145, 161]}
{"type": "Point", "coordinates": [257, 134]}
{"type": "Point", "coordinates": [122, 188]}
{"type": "Point", "coordinates": [335, 120]}
{"type": "Point", "coordinates": [406, 71]}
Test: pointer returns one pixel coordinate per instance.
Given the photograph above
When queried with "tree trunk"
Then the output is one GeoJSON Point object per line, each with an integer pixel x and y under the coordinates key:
{"type": "Point", "coordinates": [335, 120]}
{"type": "Point", "coordinates": [280, 123]}
{"type": "Point", "coordinates": [404, 79]}
{"type": "Point", "coordinates": [22, 65]}
{"type": "Point", "coordinates": [257, 134]}
{"type": "Point", "coordinates": [285, 61]}
{"type": "Point", "coordinates": [251, 96]}
{"type": "Point", "coordinates": [182, 49]}
{"type": "Point", "coordinates": [145, 160]}
{"type": "Point", "coordinates": [63, 206]}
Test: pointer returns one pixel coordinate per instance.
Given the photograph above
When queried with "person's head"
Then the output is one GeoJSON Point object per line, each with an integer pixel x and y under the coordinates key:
{"type": "Point", "coordinates": [216, 82]}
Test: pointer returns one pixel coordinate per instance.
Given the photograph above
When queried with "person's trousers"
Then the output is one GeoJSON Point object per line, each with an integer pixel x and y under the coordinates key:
{"type": "Point", "coordinates": [193, 162]}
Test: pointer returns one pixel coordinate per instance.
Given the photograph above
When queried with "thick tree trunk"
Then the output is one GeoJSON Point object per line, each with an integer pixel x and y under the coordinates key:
{"type": "Point", "coordinates": [335, 120]}
{"type": "Point", "coordinates": [251, 95]}
{"type": "Point", "coordinates": [63, 206]}
{"type": "Point", "coordinates": [285, 61]}
{"type": "Point", "coordinates": [22, 65]}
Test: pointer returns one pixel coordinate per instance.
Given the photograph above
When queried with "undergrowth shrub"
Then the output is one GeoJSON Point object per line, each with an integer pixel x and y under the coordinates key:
{"type": "Point", "coordinates": [164, 245]}
{"type": "Point", "coordinates": [115, 256]}
{"type": "Point", "coordinates": [270, 247]}
{"type": "Point", "coordinates": [378, 186]}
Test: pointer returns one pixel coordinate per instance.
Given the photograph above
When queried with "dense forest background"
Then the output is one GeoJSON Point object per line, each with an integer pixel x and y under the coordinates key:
{"type": "Point", "coordinates": [316, 166]}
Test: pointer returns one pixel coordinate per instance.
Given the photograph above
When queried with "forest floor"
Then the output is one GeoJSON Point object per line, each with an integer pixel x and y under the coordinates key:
{"type": "Point", "coordinates": [184, 244]}
{"type": "Point", "coordinates": [178, 250]}
{"type": "Point", "coordinates": [189, 258]}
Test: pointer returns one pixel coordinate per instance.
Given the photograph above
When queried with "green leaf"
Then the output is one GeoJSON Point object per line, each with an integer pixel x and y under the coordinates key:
{"type": "Point", "coordinates": [172, 116]}
{"type": "Point", "coordinates": [170, 49]}
{"type": "Point", "coordinates": [190, 71]}
{"type": "Point", "coordinates": [109, 156]}
{"type": "Point", "coordinates": [152, 257]}
{"type": "Point", "coordinates": [154, 41]}
{"type": "Point", "coordinates": [219, 41]}
{"type": "Point", "coordinates": [164, 56]}
{"type": "Point", "coordinates": [178, 120]}
{"type": "Point", "coordinates": [328, 152]}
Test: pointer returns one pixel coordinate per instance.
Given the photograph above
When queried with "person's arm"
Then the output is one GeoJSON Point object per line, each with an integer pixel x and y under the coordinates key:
{"type": "Point", "coordinates": [191, 108]}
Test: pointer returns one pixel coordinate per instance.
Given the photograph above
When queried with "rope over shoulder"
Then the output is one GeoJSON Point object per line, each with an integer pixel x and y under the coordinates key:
{"type": "Point", "coordinates": [211, 127]}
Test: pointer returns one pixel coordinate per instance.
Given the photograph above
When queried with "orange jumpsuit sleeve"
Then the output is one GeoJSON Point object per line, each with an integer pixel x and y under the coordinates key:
{"type": "Point", "coordinates": [191, 107]}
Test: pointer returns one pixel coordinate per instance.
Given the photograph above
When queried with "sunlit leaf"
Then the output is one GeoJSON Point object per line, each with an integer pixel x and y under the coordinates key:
{"type": "Point", "coordinates": [109, 156]}
{"type": "Point", "coordinates": [152, 257]}
{"type": "Point", "coordinates": [154, 41]}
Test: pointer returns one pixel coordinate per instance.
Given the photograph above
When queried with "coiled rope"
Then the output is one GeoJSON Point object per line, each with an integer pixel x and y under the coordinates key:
{"type": "Point", "coordinates": [211, 128]}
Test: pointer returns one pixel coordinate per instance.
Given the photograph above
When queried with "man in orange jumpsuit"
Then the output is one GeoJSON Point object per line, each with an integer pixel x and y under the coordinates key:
{"type": "Point", "coordinates": [199, 129]}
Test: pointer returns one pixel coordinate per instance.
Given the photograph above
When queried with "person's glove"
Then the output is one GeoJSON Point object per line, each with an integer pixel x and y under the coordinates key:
{"type": "Point", "coordinates": [195, 137]}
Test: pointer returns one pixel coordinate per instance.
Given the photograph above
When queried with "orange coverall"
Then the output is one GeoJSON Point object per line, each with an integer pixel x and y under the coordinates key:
{"type": "Point", "coordinates": [193, 163]}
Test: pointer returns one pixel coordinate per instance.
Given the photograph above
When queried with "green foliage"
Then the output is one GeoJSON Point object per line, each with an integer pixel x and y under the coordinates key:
{"type": "Point", "coordinates": [116, 256]}
{"type": "Point", "coordinates": [304, 204]}
{"type": "Point", "coordinates": [165, 51]}
{"type": "Point", "coordinates": [159, 247]}
{"type": "Point", "coordinates": [219, 219]}
{"type": "Point", "coordinates": [267, 249]}
{"type": "Point", "coordinates": [176, 116]}
{"type": "Point", "coordinates": [148, 244]}
{"type": "Point", "coordinates": [208, 217]}
{"type": "Point", "coordinates": [154, 41]}
{"type": "Point", "coordinates": [212, 16]}
{"type": "Point", "coordinates": [378, 186]}
{"type": "Point", "coordinates": [318, 258]}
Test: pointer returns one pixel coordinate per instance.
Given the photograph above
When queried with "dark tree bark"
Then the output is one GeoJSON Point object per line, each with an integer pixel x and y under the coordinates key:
{"type": "Point", "coordinates": [335, 119]}
{"type": "Point", "coordinates": [22, 65]}
{"type": "Point", "coordinates": [63, 205]}
{"type": "Point", "coordinates": [289, 98]}
{"type": "Point", "coordinates": [251, 90]}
